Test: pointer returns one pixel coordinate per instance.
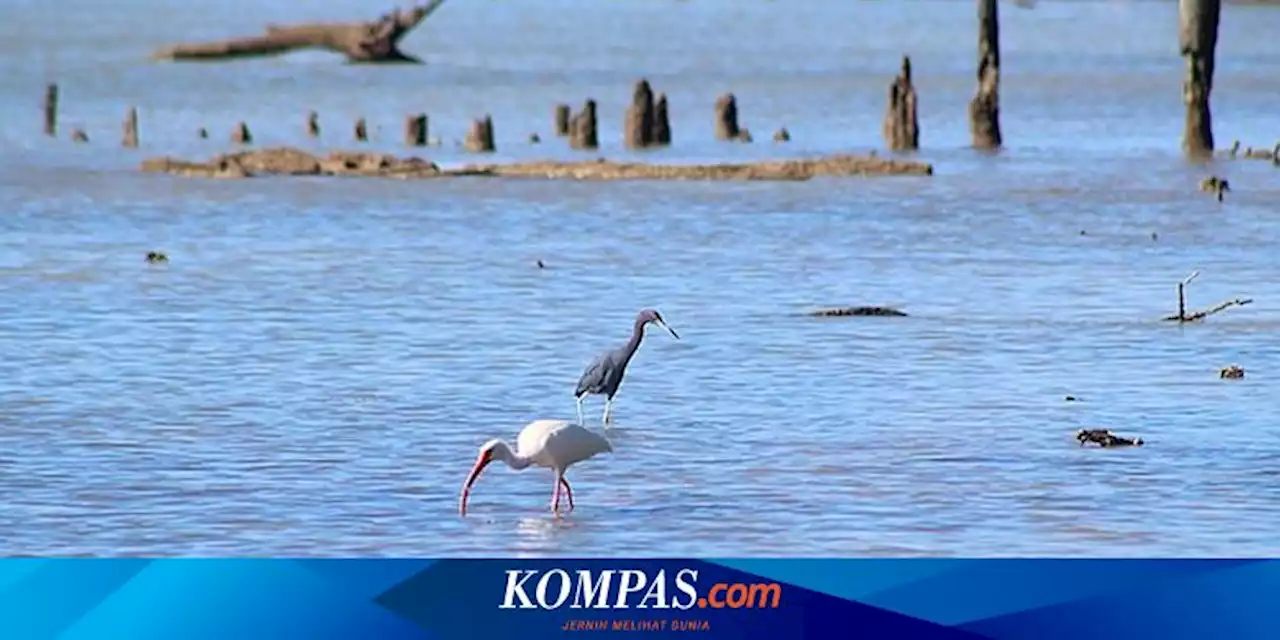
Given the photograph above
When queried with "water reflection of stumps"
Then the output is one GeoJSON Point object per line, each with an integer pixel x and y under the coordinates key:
{"type": "Point", "coordinates": [583, 134]}
{"type": "Point", "coordinates": [130, 140]}
{"type": "Point", "coordinates": [661, 121]}
{"type": "Point", "coordinates": [313, 124]}
{"type": "Point", "coordinates": [415, 130]}
{"type": "Point", "coordinates": [1198, 39]}
{"type": "Point", "coordinates": [361, 131]}
{"type": "Point", "coordinates": [901, 127]}
{"type": "Point", "coordinates": [984, 109]}
{"type": "Point", "coordinates": [51, 110]}
{"type": "Point", "coordinates": [727, 120]}
{"type": "Point", "coordinates": [561, 120]}
{"type": "Point", "coordinates": [240, 134]}
{"type": "Point", "coordinates": [638, 129]}
{"type": "Point", "coordinates": [1182, 315]}
{"type": "Point", "coordinates": [480, 137]}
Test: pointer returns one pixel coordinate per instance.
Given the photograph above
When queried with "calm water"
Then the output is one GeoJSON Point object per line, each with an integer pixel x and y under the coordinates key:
{"type": "Point", "coordinates": [314, 371]}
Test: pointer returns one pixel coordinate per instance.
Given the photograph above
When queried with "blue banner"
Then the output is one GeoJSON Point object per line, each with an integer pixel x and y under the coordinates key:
{"type": "Point", "coordinates": [125, 599]}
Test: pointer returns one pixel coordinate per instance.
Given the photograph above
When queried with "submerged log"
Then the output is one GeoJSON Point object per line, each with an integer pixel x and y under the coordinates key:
{"type": "Point", "coordinates": [290, 161]}
{"type": "Point", "coordinates": [365, 42]}
{"type": "Point", "coordinates": [1198, 40]}
{"type": "Point", "coordinates": [984, 109]}
{"type": "Point", "coordinates": [901, 127]}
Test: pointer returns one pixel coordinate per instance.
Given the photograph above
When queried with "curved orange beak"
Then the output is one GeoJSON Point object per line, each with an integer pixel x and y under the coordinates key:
{"type": "Point", "coordinates": [481, 462]}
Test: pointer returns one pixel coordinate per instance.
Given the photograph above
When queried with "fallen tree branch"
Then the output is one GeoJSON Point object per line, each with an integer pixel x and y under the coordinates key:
{"type": "Point", "coordinates": [1183, 316]}
{"type": "Point", "coordinates": [361, 42]}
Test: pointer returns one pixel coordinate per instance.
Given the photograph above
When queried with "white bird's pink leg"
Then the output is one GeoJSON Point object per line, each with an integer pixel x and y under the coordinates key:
{"type": "Point", "coordinates": [555, 497]}
{"type": "Point", "coordinates": [568, 492]}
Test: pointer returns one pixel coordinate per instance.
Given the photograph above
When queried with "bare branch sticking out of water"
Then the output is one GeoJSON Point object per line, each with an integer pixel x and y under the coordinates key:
{"type": "Point", "coordinates": [1182, 315]}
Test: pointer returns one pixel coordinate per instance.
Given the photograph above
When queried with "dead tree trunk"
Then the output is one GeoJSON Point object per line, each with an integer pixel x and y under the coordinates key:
{"type": "Point", "coordinates": [901, 127]}
{"type": "Point", "coordinates": [984, 109]}
{"type": "Point", "coordinates": [727, 120]}
{"type": "Point", "coordinates": [313, 124]}
{"type": "Point", "coordinates": [661, 122]}
{"type": "Point", "coordinates": [51, 110]}
{"type": "Point", "coordinates": [367, 42]}
{"type": "Point", "coordinates": [582, 128]}
{"type": "Point", "coordinates": [361, 131]}
{"type": "Point", "coordinates": [1198, 38]}
{"type": "Point", "coordinates": [638, 133]}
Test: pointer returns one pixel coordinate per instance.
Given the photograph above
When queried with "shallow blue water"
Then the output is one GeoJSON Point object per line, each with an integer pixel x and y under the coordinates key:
{"type": "Point", "coordinates": [313, 372]}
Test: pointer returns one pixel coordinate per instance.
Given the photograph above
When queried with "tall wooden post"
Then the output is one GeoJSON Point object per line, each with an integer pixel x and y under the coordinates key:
{"type": "Point", "coordinates": [984, 109]}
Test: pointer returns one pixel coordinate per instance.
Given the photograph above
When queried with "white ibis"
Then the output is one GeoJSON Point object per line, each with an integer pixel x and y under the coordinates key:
{"type": "Point", "coordinates": [554, 444]}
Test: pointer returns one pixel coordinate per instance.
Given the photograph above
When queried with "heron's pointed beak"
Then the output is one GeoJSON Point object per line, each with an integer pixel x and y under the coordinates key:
{"type": "Point", "coordinates": [664, 325]}
{"type": "Point", "coordinates": [481, 462]}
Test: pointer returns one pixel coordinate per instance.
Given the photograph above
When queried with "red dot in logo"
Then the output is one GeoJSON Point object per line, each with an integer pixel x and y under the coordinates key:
{"type": "Point", "coordinates": [702, 603]}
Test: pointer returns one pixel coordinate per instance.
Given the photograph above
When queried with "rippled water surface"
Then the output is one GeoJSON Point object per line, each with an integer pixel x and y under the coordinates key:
{"type": "Point", "coordinates": [314, 370]}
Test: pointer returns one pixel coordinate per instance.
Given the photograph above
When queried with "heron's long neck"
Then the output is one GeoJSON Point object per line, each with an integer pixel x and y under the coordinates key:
{"type": "Point", "coordinates": [637, 334]}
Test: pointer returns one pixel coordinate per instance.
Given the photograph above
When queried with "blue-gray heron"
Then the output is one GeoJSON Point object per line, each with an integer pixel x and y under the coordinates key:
{"type": "Point", "coordinates": [604, 374]}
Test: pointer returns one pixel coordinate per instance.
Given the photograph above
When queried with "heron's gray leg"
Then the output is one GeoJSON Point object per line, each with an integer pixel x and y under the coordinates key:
{"type": "Point", "coordinates": [581, 420]}
{"type": "Point", "coordinates": [608, 411]}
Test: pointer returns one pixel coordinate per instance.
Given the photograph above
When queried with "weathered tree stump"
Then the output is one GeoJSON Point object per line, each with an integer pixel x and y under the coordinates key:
{"type": "Point", "coordinates": [661, 122]}
{"type": "Point", "coordinates": [51, 110]}
{"type": "Point", "coordinates": [583, 133]}
{"type": "Point", "coordinates": [561, 121]}
{"type": "Point", "coordinates": [361, 131]}
{"type": "Point", "coordinates": [480, 137]}
{"type": "Point", "coordinates": [638, 131]}
{"type": "Point", "coordinates": [365, 42]}
{"type": "Point", "coordinates": [901, 127]}
{"type": "Point", "coordinates": [313, 124]}
{"type": "Point", "coordinates": [415, 130]}
{"type": "Point", "coordinates": [241, 134]}
{"type": "Point", "coordinates": [534, 138]}
{"type": "Point", "coordinates": [79, 136]}
{"type": "Point", "coordinates": [782, 135]}
{"type": "Point", "coordinates": [203, 133]}
{"type": "Point", "coordinates": [984, 109]}
{"type": "Point", "coordinates": [131, 129]}
{"type": "Point", "coordinates": [1198, 39]}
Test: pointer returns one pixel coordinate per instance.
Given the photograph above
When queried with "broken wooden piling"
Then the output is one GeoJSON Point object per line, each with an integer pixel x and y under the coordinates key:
{"type": "Point", "coordinates": [561, 120]}
{"type": "Point", "coordinates": [313, 124]}
{"type": "Point", "coordinates": [727, 120]}
{"type": "Point", "coordinates": [415, 130]}
{"type": "Point", "coordinates": [901, 127]}
{"type": "Point", "coordinates": [1198, 40]}
{"type": "Point", "coordinates": [240, 134]}
{"type": "Point", "coordinates": [984, 109]}
{"type": "Point", "coordinates": [480, 137]}
{"type": "Point", "coordinates": [583, 134]}
{"type": "Point", "coordinates": [661, 122]}
{"type": "Point", "coordinates": [51, 110]}
{"type": "Point", "coordinates": [638, 123]}
{"type": "Point", "coordinates": [361, 131]}
{"type": "Point", "coordinates": [130, 140]}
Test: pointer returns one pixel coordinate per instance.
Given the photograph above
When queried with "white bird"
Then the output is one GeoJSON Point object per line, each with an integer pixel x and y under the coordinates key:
{"type": "Point", "coordinates": [553, 444]}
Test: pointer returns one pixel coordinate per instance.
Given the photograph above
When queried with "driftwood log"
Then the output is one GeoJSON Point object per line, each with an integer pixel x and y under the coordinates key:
{"type": "Point", "coordinates": [361, 42]}
{"type": "Point", "coordinates": [1182, 315]}
{"type": "Point", "coordinates": [840, 312]}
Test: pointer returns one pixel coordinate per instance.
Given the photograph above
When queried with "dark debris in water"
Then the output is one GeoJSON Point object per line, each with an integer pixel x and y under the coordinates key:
{"type": "Point", "coordinates": [857, 311]}
{"type": "Point", "coordinates": [1105, 439]}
